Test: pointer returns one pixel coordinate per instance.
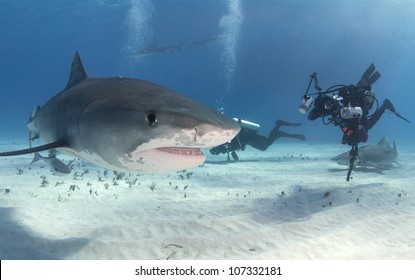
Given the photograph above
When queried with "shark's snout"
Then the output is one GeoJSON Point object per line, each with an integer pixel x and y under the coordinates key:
{"type": "Point", "coordinates": [209, 135]}
{"type": "Point", "coordinates": [183, 148]}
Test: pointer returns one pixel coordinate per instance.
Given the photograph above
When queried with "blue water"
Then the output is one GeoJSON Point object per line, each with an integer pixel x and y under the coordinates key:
{"type": "Point", "coordinates": [258, 70]}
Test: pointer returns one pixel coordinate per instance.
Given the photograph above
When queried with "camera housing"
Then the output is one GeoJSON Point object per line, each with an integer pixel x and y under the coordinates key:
{"type": "Point", "coordinates": [351, 112]}
{"type": "Point", "coordinates": [327, 105]}
{"type": "Point", "coordinates": [342, 101]}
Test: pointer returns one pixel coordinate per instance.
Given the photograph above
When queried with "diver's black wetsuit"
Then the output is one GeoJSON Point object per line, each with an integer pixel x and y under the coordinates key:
{"type": "Point", "coordinates": [251, 137]}
{"type": "Point", "coordinates": [368, 123]}
{"type": "Point", "coordinates": [259, 142]}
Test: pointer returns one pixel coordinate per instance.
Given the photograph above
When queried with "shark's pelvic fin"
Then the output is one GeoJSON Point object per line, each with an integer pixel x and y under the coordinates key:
{"type": "Point", "coordinates": [77, 71]}
{"type": "Point", "coordinates": [37, 157]}
{"type": "Point", "coordinates": [53, 145]}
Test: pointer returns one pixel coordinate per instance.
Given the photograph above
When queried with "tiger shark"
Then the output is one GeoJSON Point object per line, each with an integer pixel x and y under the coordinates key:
{"type": "Point", "coordinates": [380, 156]}
{"type": "Point", "coordinates": [154, 48]}
{"type": "Point", "coordinates": [127, 124]}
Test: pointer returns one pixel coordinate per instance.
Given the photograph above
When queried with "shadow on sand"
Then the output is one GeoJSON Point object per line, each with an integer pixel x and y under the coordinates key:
{"type": "Point", "coordinates": [358, 169]}
{"type": "Point", "coordinates": [18, 242]}
{"type": "Point", "coordinates": [303, 202]}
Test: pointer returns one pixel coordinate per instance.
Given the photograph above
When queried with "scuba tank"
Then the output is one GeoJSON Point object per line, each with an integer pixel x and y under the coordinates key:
{"type": "Point", "coordinates": [247, 124]}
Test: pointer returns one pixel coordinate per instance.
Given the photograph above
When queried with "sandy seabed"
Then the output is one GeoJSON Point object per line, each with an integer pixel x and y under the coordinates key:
{"type": "Point", "coordinates": [290, 202]}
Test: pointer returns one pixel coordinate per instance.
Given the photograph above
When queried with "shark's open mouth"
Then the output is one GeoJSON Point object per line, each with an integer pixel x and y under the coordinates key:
{"type": "Point", "coordinates": [182, 151]}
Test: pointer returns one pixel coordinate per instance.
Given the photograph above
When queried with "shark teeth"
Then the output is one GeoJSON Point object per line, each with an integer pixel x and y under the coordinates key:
{"type": "Point", "coordinates": [182, 151]}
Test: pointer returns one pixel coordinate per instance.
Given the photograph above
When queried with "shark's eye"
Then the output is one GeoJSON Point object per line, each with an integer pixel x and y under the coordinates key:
{"type": "Point", "coordinates": [151, 119]}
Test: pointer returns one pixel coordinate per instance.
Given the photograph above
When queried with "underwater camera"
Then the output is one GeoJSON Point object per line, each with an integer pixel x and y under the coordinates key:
{"type": "Point", "coordinates": [327, 105]}
{"type": "Point", "coordinates": [351, 112]}
{"type": "Point", "coordinates": [337, 105]}
{"type": "Point", "coordinates": [347, 102]}
{"type": "Point", "coordinates": [338, 101]}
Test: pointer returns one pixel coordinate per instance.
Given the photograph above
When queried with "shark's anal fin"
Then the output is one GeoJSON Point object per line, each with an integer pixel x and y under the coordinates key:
{"type": "Point", "coordinates": [53, 145]}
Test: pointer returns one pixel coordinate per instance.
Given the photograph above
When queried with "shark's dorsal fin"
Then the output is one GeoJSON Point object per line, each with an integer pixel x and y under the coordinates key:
{"type": "Point", "coordinates": [53, 145]}
{"type": "Point", "coordinates": [384, 141]}
{"type": "Point", "coordinates": [77, 71]}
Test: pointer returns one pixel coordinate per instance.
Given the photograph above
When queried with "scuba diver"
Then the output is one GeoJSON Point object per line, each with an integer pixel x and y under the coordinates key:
{"type": "Point", "coordinates": [249, 136]}
{"type": "Point", "coordinates": [348, 107]}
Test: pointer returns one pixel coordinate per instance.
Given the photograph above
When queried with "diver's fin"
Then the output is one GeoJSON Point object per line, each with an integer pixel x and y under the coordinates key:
{"type": "Point", "coordinates": [387, 104]}
{"type": "Point", "coordinates": [77, 71]}
{"type": "Point", "coordinates": [400, 116]}
{"type": "Point", "coordinates": [369, 71]}
{"type": "Point", "coordinates": [369, 77]}
{"type": "Point", "coordinates": [372, 79]}
{"type": "Point", "coordinates": [53, 145]}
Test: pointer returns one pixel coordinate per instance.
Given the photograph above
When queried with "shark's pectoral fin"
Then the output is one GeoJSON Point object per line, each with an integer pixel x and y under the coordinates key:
{"type": "Point", "coordinates": [58, 144]}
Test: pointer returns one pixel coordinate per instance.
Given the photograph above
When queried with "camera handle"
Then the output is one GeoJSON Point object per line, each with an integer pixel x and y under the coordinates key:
{"type": "Point", "coordinates": [353, 157]}
{"type": "Point", "coordinates": [313, 77]}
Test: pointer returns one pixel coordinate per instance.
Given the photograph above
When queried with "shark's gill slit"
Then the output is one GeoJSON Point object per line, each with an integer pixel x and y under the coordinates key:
{"type": "Point", "coordinates": [195, 138]}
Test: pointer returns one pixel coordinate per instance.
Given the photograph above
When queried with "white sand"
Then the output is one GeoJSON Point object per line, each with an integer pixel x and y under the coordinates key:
{"type": "Point", "coordinates": [270, 205]}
